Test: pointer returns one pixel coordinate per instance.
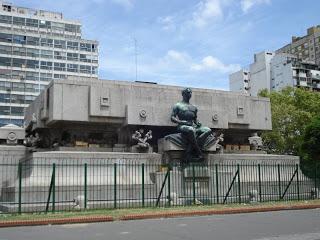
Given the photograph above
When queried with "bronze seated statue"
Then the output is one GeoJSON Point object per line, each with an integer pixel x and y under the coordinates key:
{"type": "Point", "coordinates": [192, 137]}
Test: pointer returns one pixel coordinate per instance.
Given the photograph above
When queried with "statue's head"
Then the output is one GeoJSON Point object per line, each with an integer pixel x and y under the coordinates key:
{"type": "Point", "coordinates": [186, 93]}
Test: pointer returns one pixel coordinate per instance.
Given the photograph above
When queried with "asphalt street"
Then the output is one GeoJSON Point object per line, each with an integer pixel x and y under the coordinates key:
{"type": "Point", "coordinates": [284, 225]}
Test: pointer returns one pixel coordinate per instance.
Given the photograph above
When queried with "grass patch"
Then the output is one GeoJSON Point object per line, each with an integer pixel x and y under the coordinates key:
{"type": "Point", "coordinates": [118, 213]}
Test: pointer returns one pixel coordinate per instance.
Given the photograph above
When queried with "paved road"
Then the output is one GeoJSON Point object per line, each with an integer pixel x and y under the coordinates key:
{"type": "Point", "coordinates": [285, 225]}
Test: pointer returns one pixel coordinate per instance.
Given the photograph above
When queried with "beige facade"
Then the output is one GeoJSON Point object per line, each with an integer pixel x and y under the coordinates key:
{"type": "Point", "coordinates": [307, 47]}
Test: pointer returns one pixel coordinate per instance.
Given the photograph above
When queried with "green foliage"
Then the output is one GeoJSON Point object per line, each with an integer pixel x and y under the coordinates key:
{"type": "Point", "coordinates": [310, 148]}
{"type": "Point", "coordinates": [292, 110]}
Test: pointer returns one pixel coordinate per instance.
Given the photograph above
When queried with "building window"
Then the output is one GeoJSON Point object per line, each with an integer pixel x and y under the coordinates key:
{"type": "Point", "coordinates": [17, 62]}
{"type": "Point", "coordinates": [5, 49]}
{"type": "Point", "coordinates": [59, 44]}
{"type": "Point", "coordinates": [71, 28]}
{"type": "Point", "coordinates": [85, 69]}
{"type": "Point", "coordinates": [44, 24]}
{"type": "Point", "coordinates": [46, 54]}
{"type": "Point", "coordinates": [32, 64]}
{"type": "Point", "coordinates": [5, 19]}
{"type": "Point", "coordinates": [46, 42]}
{"type": "Point", "coordinates": [94, 70]}
{"type": "Point", "coordinates": [33, 41]}
{"type": "Point", "coordinates": [72, 56]}
{"type": "Point", "coordinates": [59, 66]}
{"type": "Point", "coordinates": [72, 67]}
{"type": "Point", "coordinates": [59, 55]}
{"type": "Point", "coordinates": [46, 77]}
{"type": "Point", "coordinates": [46, 65]}
{"type": "Point", "coordinates": [19, 51]}
{"type": "Point", "coordinates": [73, 45]}
{"type": "Point", "coordinates": [31, 52]}
{"type": "Point", "coordinates": [85, 47]}
{"type": "Point", "coordinates": [57, 26]}
{"type": "Point", "coordinates": [32, 22]}
{"type": "Point", "coordinates": [33, 76]}
{"type": "Point", "coordinates": [59, 76]}
{"type": "Point", "coordinates": [19, 39]}
{"type": "Point", "coordinates": [19, 21]}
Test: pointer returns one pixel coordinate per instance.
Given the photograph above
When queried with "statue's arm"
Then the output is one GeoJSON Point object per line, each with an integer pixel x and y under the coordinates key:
{"type": "Point", "coordinates": [196, 121]}
{"type": "Point", "coordinates": [174, 116]}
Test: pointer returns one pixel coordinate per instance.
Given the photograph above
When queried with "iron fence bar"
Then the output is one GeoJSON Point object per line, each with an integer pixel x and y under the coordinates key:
{"type": "Point", "coordinates": [239, 183]}
{"type": "Point", "coordinates": [142, 185]}
{"type": "Point", "coordinates": [287, 187]}
{"type": "Point", "coordinates": [298, 183]}
{"type": "Point", "coordinates": [50, 187]}
{"type": "Point", "coordinates": [279, 181]}
{"type": "Point", "coordinates": [315, 179]}
{"type": "Point", "coordinates": [20, 188]}
{"type": "Point", "coordinates": [85, 185]}
{"type": "Point", "coordinates": [193, 185]}
{"type": "Point", "coordinates": [162, 186]}
{"type": "Point", "coordinates": [259, 180]}
{"type": "Point", "coordinates": [217, 183]}
{"type": "Point", "coordinates": [230, 187]}
{"type": "Point", "coordinates": [169, 190]}
{"type": "Point", "coordinates": [115, 186]}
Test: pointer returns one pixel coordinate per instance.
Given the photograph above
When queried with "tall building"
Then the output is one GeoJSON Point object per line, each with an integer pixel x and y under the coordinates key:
{"type": "Point", "coordinates": [37, 46]}
{"type": "Point", "coordinates": [289, 70]}
{"type": "Point", "coordinates": [260, 72]}
{"type": "Point", "coordinates": [306, 47]}
{"type": "Point", "coordinates": [274, 72]}
{"type": "Point", "coordinates": [257, 78]}
{"type": "Point", "coordinates": [239, 81]}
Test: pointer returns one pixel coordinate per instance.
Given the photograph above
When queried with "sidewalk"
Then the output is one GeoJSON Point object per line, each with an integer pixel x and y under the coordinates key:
{"type": "Point", "coordinates": [150, 213]}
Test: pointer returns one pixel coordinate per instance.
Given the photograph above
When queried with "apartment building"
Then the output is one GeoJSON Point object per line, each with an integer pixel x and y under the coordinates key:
{"type": "Point", "coordinates": [37, 46]}
{"type": "Point", "coordinates": [307, 47]}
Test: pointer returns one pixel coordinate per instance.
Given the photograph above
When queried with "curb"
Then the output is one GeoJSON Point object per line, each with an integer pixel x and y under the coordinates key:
{"type": "Point", "coordinates": [216, 212]}
{"type": "Point", "coordinates": [172, 214]}
{"type": "Point", "coordinates": [55, 221]}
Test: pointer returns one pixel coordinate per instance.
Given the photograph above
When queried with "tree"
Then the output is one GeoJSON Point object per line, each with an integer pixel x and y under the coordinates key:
{"type": "Point", "coordinates": [292, 110]}
{"type": "Point", "coordinates": [310, 148]}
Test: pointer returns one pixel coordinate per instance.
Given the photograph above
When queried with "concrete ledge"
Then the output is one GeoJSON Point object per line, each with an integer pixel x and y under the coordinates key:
{"type": "Point", "coordinates": [56, 221]}
{"type": "Point", "coordinates": [168, 214]}
{"type": "Point", "coordinates": [216, 212]}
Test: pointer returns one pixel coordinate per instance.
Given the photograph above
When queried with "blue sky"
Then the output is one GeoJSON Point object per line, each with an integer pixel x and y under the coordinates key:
{"type": "Point", "coordinates": [194, 43]}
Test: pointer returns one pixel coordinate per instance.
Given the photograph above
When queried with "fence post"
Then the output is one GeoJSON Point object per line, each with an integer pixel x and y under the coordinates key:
{"type": "Point", "coordinates": [20, 187]}
{"type": "Point", "coordinates": [115, 186]}
{"type": "Point", "coordinates": [85, 185]}
{"type": "Point", "coordinates": [53, 187]}
{"type": "Point", "coordinates": [239, 183]}
{"type": "Point", "coordinates": [279, 182]}
{"type": "Point", "coordinates": [315, 178]}
{"type": "Point", "coordinates": [169, 188]}
{"type": "Point", "coordinates": [142, 170]}
{"type": "Point", "coordinates": [298, 187]}
{"type": "Point", "coordinates": [217, 183]}
{"type": "Point", "coordinates": [259, 179]}
{"type": "Point", "coordinates": [193, 184]}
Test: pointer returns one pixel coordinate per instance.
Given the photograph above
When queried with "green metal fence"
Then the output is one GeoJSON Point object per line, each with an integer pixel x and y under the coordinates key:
{"type": "Point", "coordinates": [60, 186]}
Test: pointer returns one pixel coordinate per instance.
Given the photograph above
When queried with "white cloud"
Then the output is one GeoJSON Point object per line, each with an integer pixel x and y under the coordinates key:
{"type": "Point", "coordinates": [176, 56]}
{"type": "Point", "coordinates": [167, 23]}
{"type": "Point", "coordinates": [246, 5]}
{"type": "Point", "coordinates": [127, 4]}
{"type": "Point", "coordinates": [208, 10]}
{"type": "Point", "coordinates": [211, 63]}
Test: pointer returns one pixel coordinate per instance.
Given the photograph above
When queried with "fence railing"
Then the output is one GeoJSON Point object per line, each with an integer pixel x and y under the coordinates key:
{"type": "Point", "coordinates": [42, 187]}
